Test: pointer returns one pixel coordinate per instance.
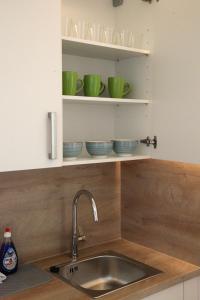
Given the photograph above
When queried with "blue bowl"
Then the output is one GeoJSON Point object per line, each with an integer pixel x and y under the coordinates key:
{"type": "Point", "coordinates": [71, 150]}
{"type": "Point", "coordinates": [124, 147]}
{"type": "Point", "coordinates": [99, 149]}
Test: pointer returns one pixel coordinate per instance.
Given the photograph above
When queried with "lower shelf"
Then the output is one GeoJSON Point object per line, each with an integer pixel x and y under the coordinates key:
{"type": "Point", "coordinates": [90, 160]}
{"type": "Point", "coordinates": [102, 100]}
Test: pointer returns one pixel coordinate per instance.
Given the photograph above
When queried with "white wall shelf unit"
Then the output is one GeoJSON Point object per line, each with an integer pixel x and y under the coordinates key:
{"type": "Point", "coordinates": [102, 100]}
{"type": "Point", "coordinates": [103, 118]}
{"type": "Point", "coordinates": [90, 160]}
{"type": "Point", "coordinates": [94, 49]}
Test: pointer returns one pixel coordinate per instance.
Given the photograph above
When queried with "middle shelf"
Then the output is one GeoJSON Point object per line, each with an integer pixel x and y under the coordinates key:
{"type": "Point", "coordinates": [101, 50]}
{"type": "Point", "coordinates": [84, 99]}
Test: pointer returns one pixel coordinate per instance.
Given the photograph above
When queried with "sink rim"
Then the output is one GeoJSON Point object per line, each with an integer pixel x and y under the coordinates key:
{"type": "Point", "coordinates": [152, 272]}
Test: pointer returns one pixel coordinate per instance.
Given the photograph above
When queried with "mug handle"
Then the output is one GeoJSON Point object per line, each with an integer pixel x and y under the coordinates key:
{"type": "Point", "coordinates": [127, 89]}
{"type": "Point", "coordinates": [81, 85]}
{"type": "Point", "coordinates": [102, 89]}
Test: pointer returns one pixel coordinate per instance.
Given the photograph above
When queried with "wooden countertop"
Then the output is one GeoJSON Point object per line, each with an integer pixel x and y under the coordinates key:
{"type": "Point", "coordinates": [174, 271]}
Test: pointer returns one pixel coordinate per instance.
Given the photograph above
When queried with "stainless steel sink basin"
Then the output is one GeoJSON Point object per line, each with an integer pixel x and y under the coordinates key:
{"type": "Point", "coordinates": [104, 273]}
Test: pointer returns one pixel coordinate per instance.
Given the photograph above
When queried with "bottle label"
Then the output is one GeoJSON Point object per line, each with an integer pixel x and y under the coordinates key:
{"type": "Point", "coordinates": [10, 259]}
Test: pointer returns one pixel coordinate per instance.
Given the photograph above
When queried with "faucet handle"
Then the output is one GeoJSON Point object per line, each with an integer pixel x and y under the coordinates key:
{"type": "Point", "coordinates": [81, 236]}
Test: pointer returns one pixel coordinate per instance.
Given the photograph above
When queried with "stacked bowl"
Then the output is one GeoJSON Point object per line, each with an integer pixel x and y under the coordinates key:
{"type": "Point", "coordinates": [124, 147]}
{"type": "Point", "coordinates": [71, 150]}
{"type": "Point", "coordinates": [100, 149]}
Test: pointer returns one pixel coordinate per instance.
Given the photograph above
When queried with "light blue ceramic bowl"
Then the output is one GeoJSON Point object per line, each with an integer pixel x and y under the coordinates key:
{"type": "Point", "coordinates": [99, 149]}
{"type": "Point", "coordinates": [124, 147]}
{"type": "Point", "coordinates": [71, 150]}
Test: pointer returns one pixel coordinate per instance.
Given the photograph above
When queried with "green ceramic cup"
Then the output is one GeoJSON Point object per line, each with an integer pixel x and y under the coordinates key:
{"type": "Point", "coordinates": [117, 87]}
{"type": "Point", "coordinates": [71, 82]}
{"type": "Point", "coordinates": [93, 86]}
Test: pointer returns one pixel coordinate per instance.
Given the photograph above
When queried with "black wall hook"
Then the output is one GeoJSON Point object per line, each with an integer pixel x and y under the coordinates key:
{"type": "Point", "coordinates": [117, 3]}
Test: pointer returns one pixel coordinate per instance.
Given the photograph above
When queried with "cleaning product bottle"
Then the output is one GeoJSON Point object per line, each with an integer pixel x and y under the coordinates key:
{"type": "Point", "coordinates": [8, 254]}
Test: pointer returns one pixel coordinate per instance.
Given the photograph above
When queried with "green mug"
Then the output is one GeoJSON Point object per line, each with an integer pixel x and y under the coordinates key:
{"type": "Point", "coordinates": [70, 82]}
{"type": "Point", "coordinates": [117, 87]}
{"type": "Point", "coordinates": [93, 86]}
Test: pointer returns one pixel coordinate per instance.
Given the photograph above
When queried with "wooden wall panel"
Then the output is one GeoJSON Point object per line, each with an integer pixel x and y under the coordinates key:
{"type": "Point", "coordinates": [37, 204]}
{"type": "Point", "coordinates": [161, 206]}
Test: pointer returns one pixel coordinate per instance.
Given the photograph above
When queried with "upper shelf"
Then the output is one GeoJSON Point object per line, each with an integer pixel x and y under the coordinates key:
{"type": "Point", "coordinates": [94, 49]}
{"type": "Point", "coordinates": [102, 100]}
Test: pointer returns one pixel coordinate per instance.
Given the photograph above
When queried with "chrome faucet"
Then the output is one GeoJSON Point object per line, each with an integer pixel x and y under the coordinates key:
{"type": "Point", "coordinates": [75, 235]}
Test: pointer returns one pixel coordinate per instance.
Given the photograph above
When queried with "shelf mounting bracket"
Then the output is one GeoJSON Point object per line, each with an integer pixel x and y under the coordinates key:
{"type": "Point", "coordinates": [150, 1]}
{"type": "Point", "coordinates": [117, 3]}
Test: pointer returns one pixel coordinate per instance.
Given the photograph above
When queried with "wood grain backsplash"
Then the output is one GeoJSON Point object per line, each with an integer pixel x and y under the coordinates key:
{"type": "Point", "coordinates": [37, 204]}
{"type": "Point", "coordinates": [161, 207]}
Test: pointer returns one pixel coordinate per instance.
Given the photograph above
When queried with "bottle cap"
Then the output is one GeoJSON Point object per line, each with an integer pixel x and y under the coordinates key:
{"type": "Point", "coordinates": [7, 232]}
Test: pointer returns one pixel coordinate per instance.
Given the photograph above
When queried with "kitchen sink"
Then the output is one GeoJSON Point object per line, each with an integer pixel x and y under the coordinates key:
{"type": "Point", "coordinates": [104, 273]}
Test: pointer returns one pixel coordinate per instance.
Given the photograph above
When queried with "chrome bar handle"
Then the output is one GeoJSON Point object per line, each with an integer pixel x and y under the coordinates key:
{"type": "Point", "coordinates": [53, 135]}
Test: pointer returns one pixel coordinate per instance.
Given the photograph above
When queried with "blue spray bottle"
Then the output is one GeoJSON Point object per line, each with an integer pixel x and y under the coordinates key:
{"type": "Point", "coordinates": [8, 254]}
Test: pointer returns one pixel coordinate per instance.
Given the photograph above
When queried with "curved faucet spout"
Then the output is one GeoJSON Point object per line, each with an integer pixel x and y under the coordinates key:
{"type": "Point", "coordinates": [95, 213]}
{"type": "Point", "coordinates": [75, 237]}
